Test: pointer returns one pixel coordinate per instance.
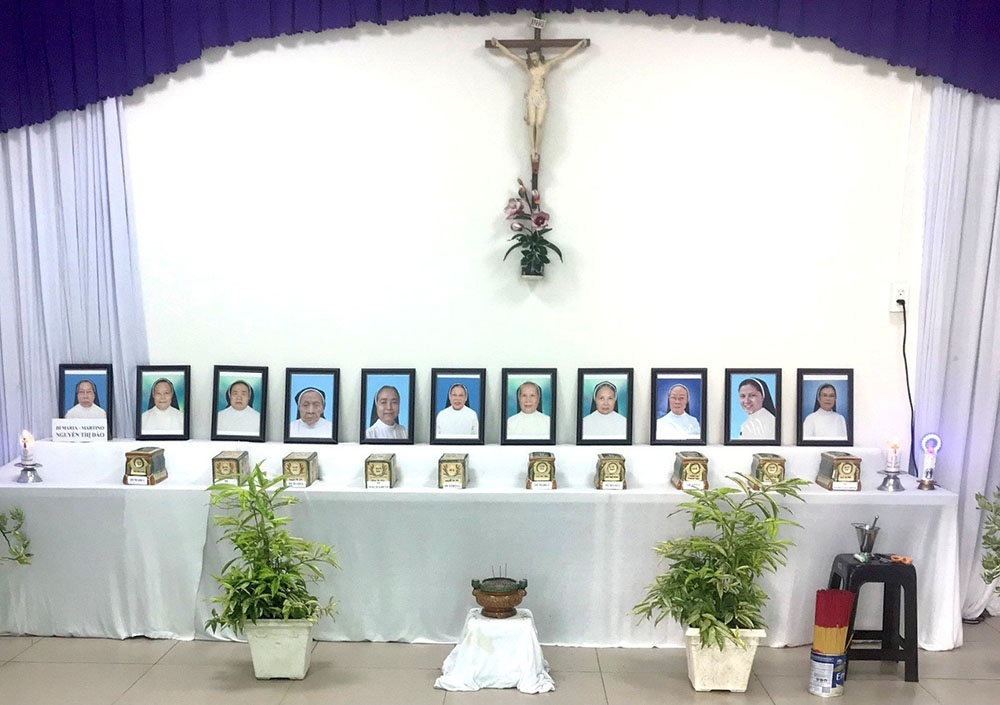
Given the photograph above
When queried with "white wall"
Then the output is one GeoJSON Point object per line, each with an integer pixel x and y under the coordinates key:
{"type": "Point", "coordinates": [724, 196]}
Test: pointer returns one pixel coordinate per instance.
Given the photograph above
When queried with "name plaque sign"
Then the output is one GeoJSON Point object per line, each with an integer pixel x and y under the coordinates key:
{"type": "Point", "coordinates": [79, 430]}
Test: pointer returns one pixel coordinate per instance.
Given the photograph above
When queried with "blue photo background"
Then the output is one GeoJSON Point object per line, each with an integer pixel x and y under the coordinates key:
{"type": "Point", "coordinates": [514, 381]}
{"type": "Point", "coordinates": [253, 379]}
{"type": "Point", "coordinates": [694, 387]}
{"type": "Point", "coordinates": [99, 378]}
{"type": "Point", "coordinates": [812, 383]}
{"type": "Point", "coordinates": [402, 384]}
{"type": "Point", "coordinates": [150, 376]}
{"type": "Point", "coordinates": [323, 382]}
{"type": "Point", "coordinates": [592, 380]}
{"type": "Point", "coordinates": [736, 414]}
{"type": "Point", "coordinates": [471, 382]}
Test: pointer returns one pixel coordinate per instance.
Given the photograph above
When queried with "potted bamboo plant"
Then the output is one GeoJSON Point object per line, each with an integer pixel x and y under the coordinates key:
{"type": "Point", "coordinates": [265, 589]}
{"type": "Point", "coordinates": [711, 583]}
{"type": "Point", "coordinates": [14, 539]}
{"type": "Point", "coordinates": [991, 537]}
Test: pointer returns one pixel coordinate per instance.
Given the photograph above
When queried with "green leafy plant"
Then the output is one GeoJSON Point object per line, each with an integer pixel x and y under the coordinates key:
{"type": "Point", "coordinates": [711, 582]}
{"type": "Point", "coordinates": [530, 229]}
{"type": "Point", "coordinates": [991, 536]}
{"type": "Point", "coordinates": [17, 542]}
{"type": "Point", "coordinates": [268, 577]}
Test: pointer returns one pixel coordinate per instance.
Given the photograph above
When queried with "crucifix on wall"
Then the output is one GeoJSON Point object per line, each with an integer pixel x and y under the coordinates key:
{"type": "Point", "coordinates": [536, 101]}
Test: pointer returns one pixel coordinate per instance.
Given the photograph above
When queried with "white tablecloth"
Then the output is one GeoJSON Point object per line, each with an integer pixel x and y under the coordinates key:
{"type": "Point", "coordinates": [497, 653]}
{"type": "Point", "coordinates": [120, 561]}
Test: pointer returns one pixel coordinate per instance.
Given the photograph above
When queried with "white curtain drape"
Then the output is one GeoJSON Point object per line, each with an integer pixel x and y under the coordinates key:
{"type": "Point", "coordinates": [958, 359]}
{"type": "Point", "coordinates": [69, 281]}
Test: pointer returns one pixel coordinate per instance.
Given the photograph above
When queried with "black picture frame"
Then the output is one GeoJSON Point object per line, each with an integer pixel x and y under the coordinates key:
{"type": "Point", "coordinates": [331, 407]}
{"type": "Point", "coordinates": [144, 402]}
{"type": "Point", "coordinates": [89, 373]}
{"type": "Point", "coordinates": [665, 434]}
{"type": "Point", "coordinates": [368, 410]}
{"type": "Point", "coordinates": [609, 374]}
{"type": "Point", "coordinates": [439, 404]}
{"type": "Point", "coordinates": [257, 401]}
{"type": "Point", "coordinates": [538, 372]}
{"type": "Point", "coordinates": [808, 377]}
{"type": "Point", "coordinates": [744, 373]}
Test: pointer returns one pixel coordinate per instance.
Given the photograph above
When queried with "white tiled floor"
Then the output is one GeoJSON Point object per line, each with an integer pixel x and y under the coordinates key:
{"type": "Point", "coordinates": [56, 671]}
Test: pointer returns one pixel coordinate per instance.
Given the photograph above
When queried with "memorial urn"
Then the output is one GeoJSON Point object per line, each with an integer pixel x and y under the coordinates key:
{"type": "Point", "coordinates": [499, 597]}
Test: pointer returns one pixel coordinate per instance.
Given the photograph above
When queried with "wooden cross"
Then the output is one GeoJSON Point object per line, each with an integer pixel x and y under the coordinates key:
{"type": "Point", "coordinates": [536, 100]}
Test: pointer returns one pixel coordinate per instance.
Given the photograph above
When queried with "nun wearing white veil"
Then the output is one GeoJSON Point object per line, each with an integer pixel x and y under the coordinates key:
{"type": "Point", "coordinates": [604, 421]}
{"type": "Point", "coordinates": [529, 423]}
{"type": "Point", "coordinates": [755, 399]}
{"type": "Point", "coordinates": [457, 420]}
{"type": "Point", "coordinates": [678, 424]}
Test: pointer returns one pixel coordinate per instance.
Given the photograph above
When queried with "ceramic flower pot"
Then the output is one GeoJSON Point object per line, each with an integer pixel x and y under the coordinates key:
{"type": "Point", "coordinates": [280, 648]}
{"type": "Point", "coordinates": [530, 272]}
{"type": "Point", "coordinates": [499, 597]}
{"type": "Point", "coordinates": [712, 668]}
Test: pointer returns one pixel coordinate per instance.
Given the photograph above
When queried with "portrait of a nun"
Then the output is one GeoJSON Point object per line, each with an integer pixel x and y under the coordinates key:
{"type": "Point", "coordinates": [162, 415]}
{"type": "Point", "coordinates": [529, 423]}
{"type": "Point", "coordinates": [310, 422]}
{"type": "Point", "coordinates": [384, 417]}
{"type": "Point", "coordinates": [755, 399]}
{"type": "Point", "coordinates": [239, 418]}
{"type": "Point", "coordinates": [88, 402]}
{"type": "Point", "coordinates": [678, 423]}
{"type": "Point", "coordinates": [457, 420]}
{"type": "Point", "coordinates": [825, 422]}
{"type": "Point", "coordinates": [604, 422]}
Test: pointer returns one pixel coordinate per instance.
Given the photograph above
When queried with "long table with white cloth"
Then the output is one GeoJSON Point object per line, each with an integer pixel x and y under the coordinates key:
{"type": "Point", "coordinates": [118, 561]}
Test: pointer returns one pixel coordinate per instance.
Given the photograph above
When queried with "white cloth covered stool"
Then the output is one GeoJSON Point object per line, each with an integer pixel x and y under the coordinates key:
{"type": "Point", "coordinates": [497, 653]}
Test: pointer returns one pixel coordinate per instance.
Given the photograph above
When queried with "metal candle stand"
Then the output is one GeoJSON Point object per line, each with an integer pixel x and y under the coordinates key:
{"type": "Point", "coordinates": [29, 472]}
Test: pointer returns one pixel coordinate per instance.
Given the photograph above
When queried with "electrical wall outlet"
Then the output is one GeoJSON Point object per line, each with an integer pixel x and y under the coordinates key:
{"type": "Point", "coordinates": [898, 290]}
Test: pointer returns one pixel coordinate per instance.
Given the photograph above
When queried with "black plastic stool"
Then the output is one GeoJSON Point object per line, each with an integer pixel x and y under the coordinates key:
{"type": "Point", "coordinates": [896, 577]}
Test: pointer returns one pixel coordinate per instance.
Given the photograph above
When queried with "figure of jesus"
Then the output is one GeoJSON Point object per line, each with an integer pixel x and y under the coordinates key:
{"type": "Point", "coordinates": [535, 100]}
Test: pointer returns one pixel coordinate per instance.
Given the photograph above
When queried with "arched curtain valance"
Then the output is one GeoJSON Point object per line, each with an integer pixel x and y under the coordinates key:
{"type": "Point", "coordinates": [62, 54]}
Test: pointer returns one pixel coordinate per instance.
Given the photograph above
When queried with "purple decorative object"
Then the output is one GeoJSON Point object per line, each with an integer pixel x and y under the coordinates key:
{"type": "Point", "coordinates": [57, 55]}
{"type": "Point", "coordinates": [539, 219]}
{"type": "Point", "coordinates": [514, 208]}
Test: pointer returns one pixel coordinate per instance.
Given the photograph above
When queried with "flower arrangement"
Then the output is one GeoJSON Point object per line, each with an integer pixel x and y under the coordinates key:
{"type": "Point", "coordinates": [529, 230]}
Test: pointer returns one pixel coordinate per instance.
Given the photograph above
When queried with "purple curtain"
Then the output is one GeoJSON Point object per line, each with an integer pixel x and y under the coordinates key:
{"type": "Point", "coordinates": [62, 54]}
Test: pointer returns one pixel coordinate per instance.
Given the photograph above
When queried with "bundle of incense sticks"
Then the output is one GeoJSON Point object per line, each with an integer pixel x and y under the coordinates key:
{"type": "Point", "coordinates": [833, 612]}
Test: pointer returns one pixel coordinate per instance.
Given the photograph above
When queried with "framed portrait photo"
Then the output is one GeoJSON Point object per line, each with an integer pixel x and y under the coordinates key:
{"type": "Point", "coordinates": [753, 407]}
{"type": "Point", "coordinates": [825, 406]}
{"type": "Point", "coordinates": [163, 402]}
{"type": "Point", "coordinates": [528, 415]}
{"type": "Point", "coordinates": [458, 398]}
{"type": "Point", "coordinates": [677, 410]}
{"type": "Point", "coordinates": [312, 403]}
{"type": "Point", "coordinates": [239, 403]}
{"type": "Point", "coordinates": [387, 398]}
{"type": "Point", "coordinates": [604, 406]}
{"type": "Point", "coordinates": [86, 392]}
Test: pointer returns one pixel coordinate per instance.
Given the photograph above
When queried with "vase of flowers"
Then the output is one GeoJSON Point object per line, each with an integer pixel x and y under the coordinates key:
{"type": "Point", "coordinates": [530, 228]}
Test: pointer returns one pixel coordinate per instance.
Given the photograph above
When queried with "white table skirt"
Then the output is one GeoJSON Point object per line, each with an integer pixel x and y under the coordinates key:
{"type": "Point", "coordinates": [497, 653]}
{"type": "Point", "coordinates": [116, 561]}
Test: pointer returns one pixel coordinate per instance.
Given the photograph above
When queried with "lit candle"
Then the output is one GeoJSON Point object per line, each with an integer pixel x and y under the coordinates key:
{"type": "Point", "coordinates": [892, 456]}
{"type": "Point", "coordinates": [26, 442]}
